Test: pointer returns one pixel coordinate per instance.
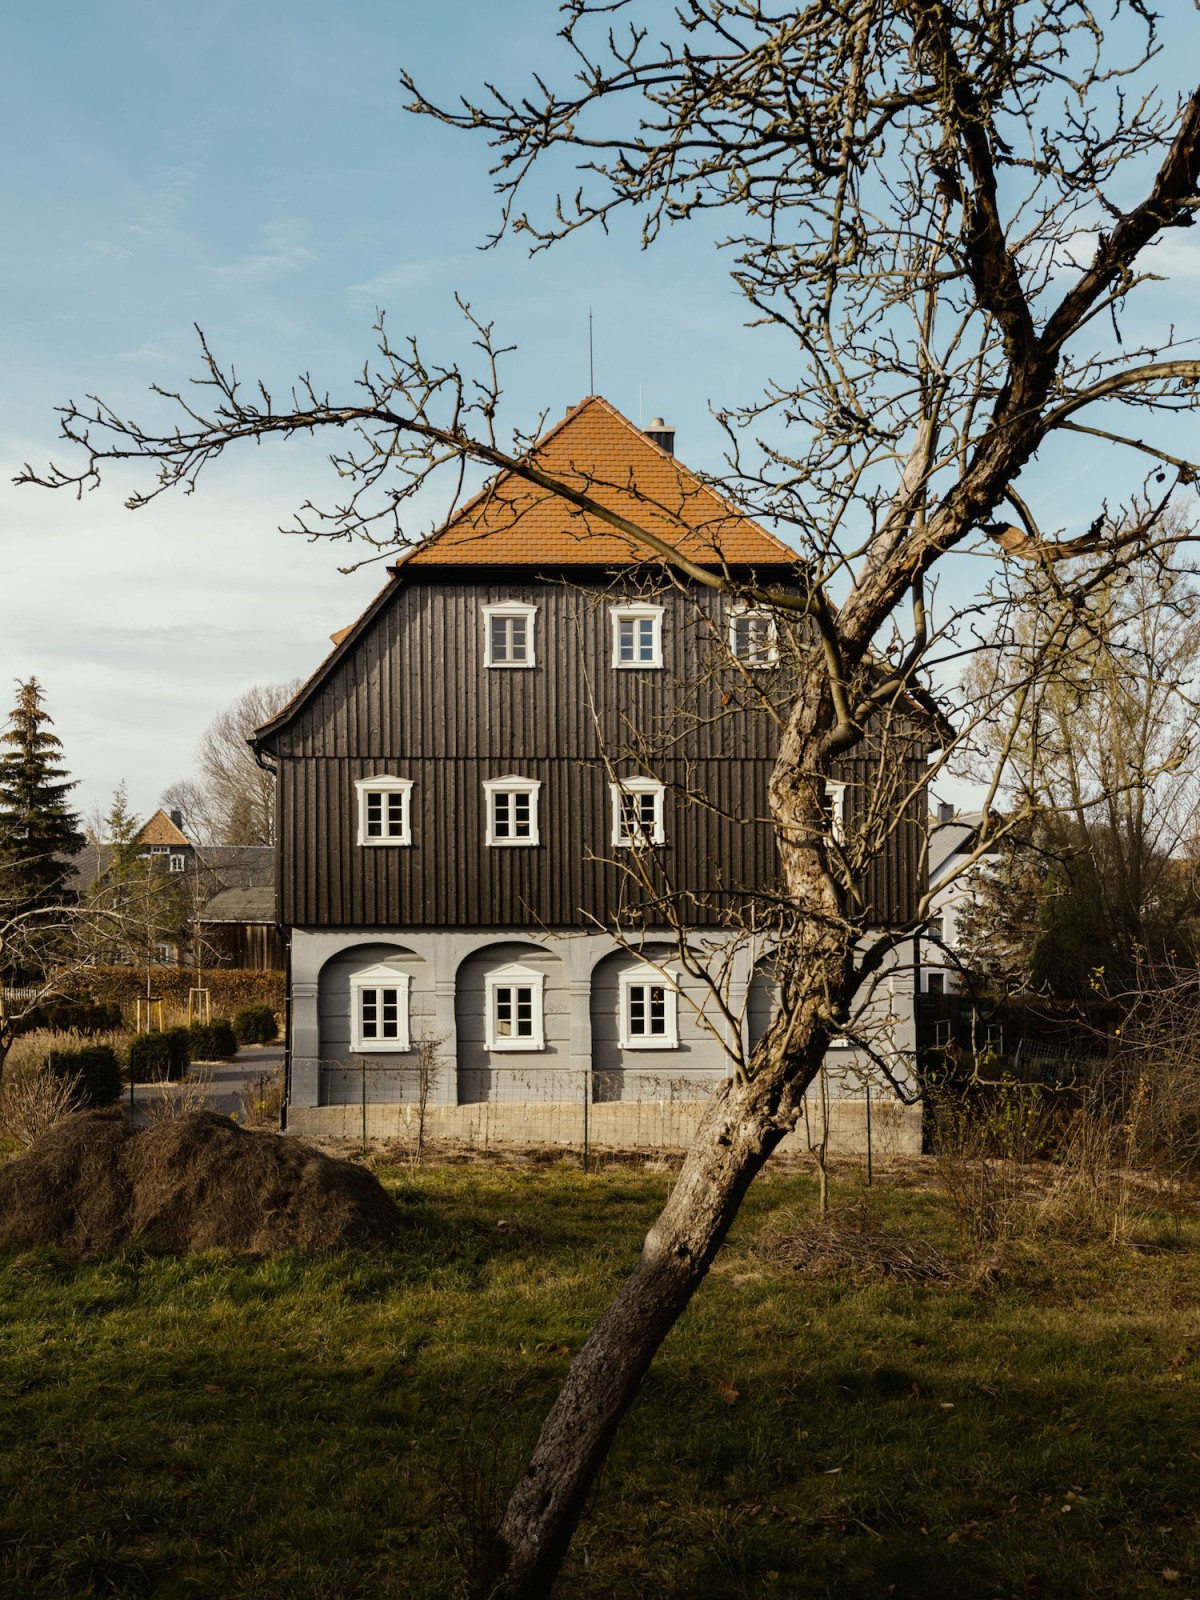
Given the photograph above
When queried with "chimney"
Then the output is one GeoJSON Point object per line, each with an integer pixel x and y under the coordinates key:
{"type": "Point", "coordinates": [945, 811]}
{"type": "Point", "coordinates": [177, 819]}
{"type": "Point", "coordinates": [663, 436]}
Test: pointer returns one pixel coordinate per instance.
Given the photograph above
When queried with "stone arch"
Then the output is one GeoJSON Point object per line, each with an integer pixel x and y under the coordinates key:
{"type": "Point", "coordinates": [390, 1078]}
{"type": "Point", "coordinates": [541, 1072]}
{"type": "Point", "coordinates": [762, 999]}
{"type": "Point", "coordinates": [687, 1070]}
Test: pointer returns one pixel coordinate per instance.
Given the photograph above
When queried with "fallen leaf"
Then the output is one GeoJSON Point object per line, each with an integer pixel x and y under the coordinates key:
{"type": "Point", "coordinates": [213, 1388]}
{"type": "Point", "coordinates": [726, 1392]}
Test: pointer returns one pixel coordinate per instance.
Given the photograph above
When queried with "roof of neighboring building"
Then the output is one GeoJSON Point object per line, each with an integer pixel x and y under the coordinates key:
{"type": "Point", "coordinates": [598, 452]}
{"type": "Point", "coordinates": [159, 829]}
{"type": "Point", "coordinates": [240, 905]}
{"type": "Point", "coordinates": [239, 866]}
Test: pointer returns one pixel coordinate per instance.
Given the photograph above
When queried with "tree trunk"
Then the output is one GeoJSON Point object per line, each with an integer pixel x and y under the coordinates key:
{"type": "Point", "coordinates": [742, 1125]}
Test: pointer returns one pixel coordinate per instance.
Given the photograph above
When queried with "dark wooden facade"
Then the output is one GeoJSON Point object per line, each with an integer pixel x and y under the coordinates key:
{"type": "Point", "coordinates": [408, 694]}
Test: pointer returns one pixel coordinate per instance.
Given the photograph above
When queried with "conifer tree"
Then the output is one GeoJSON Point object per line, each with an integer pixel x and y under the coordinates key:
{"type": "Point", "coordinates": [39, 832]}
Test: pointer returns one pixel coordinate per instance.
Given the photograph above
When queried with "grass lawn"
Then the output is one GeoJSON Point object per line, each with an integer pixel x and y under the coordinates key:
{"type": "Point", "coordinates": [314, 1428]}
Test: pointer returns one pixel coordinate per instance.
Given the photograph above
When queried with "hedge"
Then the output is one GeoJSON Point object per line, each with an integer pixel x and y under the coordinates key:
{"type": "Point", "coordinates": [155, 1056]}
{"type": "Point", "coordinates": [212, 1041]}
{"type": "Point", "coordinates": [256, 1025]}
{"type": "Point", "coordinates": [97, 1069]}
{"type": "Point", "coordinates": [231, 988]}
{"type": "Point", "coordinates": [71, 1016]}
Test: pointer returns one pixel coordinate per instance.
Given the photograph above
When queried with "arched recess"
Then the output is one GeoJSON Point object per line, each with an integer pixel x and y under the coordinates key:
{"type": "Point", "coordinates": [497, 1060]}
{"type": "Point", "coordinates": [683, 1066]}
{"type": "Point", "coordinates": [762, 999]}
{"type": "Point", "coordinates": [390, 1075]}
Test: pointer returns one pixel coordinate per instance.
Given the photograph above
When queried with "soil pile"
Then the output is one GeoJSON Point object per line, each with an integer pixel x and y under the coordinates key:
{"type": "Point", "coordinates": [197, 1182]}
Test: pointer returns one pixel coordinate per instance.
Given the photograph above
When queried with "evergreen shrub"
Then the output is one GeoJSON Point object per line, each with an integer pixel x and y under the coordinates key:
{"type": "Point", "coordinates": [72, 1016]}
{"type": "Point", "coordinates": [256, 1025]}
{"type": "Point", "coordinates": [98, 1070]}
{"type": "Point", "coordinates": [159, 1057]}
{"type": "Point", "coordinates": [212, 1041]}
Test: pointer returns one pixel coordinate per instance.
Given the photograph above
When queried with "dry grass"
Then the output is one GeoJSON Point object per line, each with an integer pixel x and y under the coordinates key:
{"type": "Point", "coordinates": [31, 1102]}
{"type": "Point", "coordinates": [169, 1100]}
{"type": "Point", "coordinates": [260, 1099]}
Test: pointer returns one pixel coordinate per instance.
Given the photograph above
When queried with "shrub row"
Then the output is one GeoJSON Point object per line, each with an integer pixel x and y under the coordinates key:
{"type": "Point", "coordinates": [72, 1016]}
{"type": "Point", "coordinates": [256, 1025]}
{"type": "Point", "coordinates": [231, 988]}
{"type": "Point", "coordinates": [97, 1068]}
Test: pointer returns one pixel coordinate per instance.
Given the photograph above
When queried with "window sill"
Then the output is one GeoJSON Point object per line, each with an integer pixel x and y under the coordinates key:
{"type": "Point", "coordinates": [513, 844]}
{"type": "Point", "coordinates": [510, 1045]}
{"type": "Point", "coordinates": [381, 1047]}
{"type": "Point", "coordinates": [376, 844]}
{"type": "Point", "coordinates": [510, 666]}
{"type": "Point", "coordinates": [649, 1044]}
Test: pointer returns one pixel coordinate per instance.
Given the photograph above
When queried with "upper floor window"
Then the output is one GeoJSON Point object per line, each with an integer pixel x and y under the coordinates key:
{"type": "Point", "coordinates": [379, 999]}
{"type": "Point", "coordinates": [637, 812]}
{"type": "Point", "coordinates": [834, 807]}
{"type": "Point", "coordinates": [649, 1012]}
{"type": "Point", "coordinates": [384, 810]}
{"type": "Point", "coordinates": [178, 862]}
{"type": "Point", "coordinates": [508, 634]}
{"type": "Point", "coordinates": [514, 1009]}
{"type": "Point", "coordinates": [512, 810]}
{"type": "Point", "coordinates": [637, 636]}
{"type": "Point", "coordinates": [752, 637]}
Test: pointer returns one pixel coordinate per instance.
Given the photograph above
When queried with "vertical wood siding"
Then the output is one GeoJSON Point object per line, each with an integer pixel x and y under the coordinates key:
{"type": "Point", "coordinates": [414, 699]}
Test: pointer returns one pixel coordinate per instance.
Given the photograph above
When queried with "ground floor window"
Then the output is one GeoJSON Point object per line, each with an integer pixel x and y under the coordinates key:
{"type": "Point", "coordinates": [649, 1018]}
{"type": "Point", "coordinates": [379, 1010]}
{"type": "Point", "coordinates": [514, 1009]}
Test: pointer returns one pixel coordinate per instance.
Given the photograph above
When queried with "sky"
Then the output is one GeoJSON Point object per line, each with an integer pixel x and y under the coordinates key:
{"type": "Point", "coordinates": [251, 169]}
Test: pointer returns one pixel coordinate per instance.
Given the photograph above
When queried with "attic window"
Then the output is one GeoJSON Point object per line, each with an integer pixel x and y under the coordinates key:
{"type": "Point", "coordinates": [384, 810]}
{"type": "Point", "coordinates": [508, 634]}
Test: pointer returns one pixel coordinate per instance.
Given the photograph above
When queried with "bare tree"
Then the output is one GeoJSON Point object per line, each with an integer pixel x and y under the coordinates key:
{"type": "Point", "coordinates": [231, 799]}
{"type": "Point", "coordinates": [910, 186]}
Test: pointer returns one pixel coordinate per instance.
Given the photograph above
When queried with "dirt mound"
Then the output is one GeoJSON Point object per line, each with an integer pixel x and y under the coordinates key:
{"type": "Point", "coordinates": [197, 1182]}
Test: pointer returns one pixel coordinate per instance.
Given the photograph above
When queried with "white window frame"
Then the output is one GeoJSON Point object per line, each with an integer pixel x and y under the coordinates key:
{"type": "Point", "coordinates": [741, 611]}
{"type": "Point", "coordinates": [176, 862]}
{"type": "Point", "coordinates": [380, 977]}
{"type": "Point", "coordinates": [516, 977]}
{"type": "Point", "coordinates": [510, 608]}
{"type": "Point", "coordinates": [637, 786]}
{"type": "Point", "coordinates": [835, 793]}
{"type": "Point", "coordinates": [647, 978]}
{"type": "Point", "coordinates": [638, 613]}
{"type": "Point", "coordinates": [513, 784]}
{"type": "Point", "coordinates": [384, 783]}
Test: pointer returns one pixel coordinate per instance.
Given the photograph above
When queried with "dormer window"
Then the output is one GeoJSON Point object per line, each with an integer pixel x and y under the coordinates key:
{"type": "Point", "coordinates": [637, 813]}
{"type": "Point", "coordinates": [384, 810]}
{"type": "Point", "coordinates": [752, 637]}
{"type": "Point", "coordinates": [379, 1010]}
{"type": "Point", "coordinates": [512, 810]}
{"type": "Point", "coordinates": [508, 634]}
{"type": "Point", "coordinates": [637, 636]}
{"type": "Point", "coordinates": [514, 1009]}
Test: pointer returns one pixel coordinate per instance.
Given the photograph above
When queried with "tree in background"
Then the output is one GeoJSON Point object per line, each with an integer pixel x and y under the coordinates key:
{"type": "Point", "coordinates": [908, 188]}
{"type": "Point", "coordinates": [1102, 763]}
{"type": "Point", "coordinates": [231, 799]}
{"type": "Point", "coordinates": [39, 833]}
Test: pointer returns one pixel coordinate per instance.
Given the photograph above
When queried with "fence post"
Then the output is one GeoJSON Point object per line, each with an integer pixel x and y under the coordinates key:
{"type": "Point", "coordinates": [364, 1105]}
{"type": "Point", "coordinates": [587, 1097]}
{"type": "Point", "coordinates": [867, 1086]}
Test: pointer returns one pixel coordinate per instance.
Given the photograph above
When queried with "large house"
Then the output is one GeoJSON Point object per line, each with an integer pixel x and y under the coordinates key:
{"type": "Point", "coordinates": [521, 811]}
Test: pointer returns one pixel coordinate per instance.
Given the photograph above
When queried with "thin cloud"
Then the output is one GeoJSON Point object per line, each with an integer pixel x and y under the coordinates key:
{"type": "Point", "coordinates": [280, 251]}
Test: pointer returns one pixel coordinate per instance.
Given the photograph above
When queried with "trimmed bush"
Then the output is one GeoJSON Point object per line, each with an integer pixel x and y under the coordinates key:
{"type": "Point", "coordinates": [97, 1068]}
{"type": "Point", "coordinates": [77, 1016]}
{"type": "Point", "coordinates": [159, 1057]}
{"type": "Point", "coordinates": [256, 1025]}
{"type": "Point", "coordinates": [212, 1041]}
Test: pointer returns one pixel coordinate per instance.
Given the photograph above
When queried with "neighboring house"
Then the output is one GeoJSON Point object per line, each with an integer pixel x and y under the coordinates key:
{"type": "Point", "coordinates": [531, 745]}
{"type": "Point", "coordinates": [953, 838]}
{"type": "Point", "coordinates": [229, 890]}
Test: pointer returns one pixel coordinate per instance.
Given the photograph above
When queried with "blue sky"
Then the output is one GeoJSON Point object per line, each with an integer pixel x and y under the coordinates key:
{"type": "Point", "coordinates": [250, 168]}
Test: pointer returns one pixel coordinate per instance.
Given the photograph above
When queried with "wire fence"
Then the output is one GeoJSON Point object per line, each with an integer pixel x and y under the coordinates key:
{"type": "Point", "coordinates": [581, 1110]}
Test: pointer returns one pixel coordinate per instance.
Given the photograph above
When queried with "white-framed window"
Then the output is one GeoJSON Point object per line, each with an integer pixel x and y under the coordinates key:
{"type": "Point", "coordinates": [384, 810]}
{"type": "Point", "coordinates": [515, 1018]}
{"type": "Point", "coordinates": [379, 999]}
{"type": "Point", "coordinates": [160, 849]}
{"type": "Point", "coordinates": [834, 806]}
{"type": "Point", "coordinates": [178, 863]}
{"type": "Point", "coordinates": [512, 810]}
{"type": "Point", "coordinates": [164, 955]}
{"type": "Point", "coordinates": [753, 638]}
{"type": "Point", "coordinates": [649, 1011]}
{"type": "Point", "coordinates": [637, 636]}
{"type": "Point", "coordinates": [508, 634]}
{"type": "Point", "coordinates": [637, 805]}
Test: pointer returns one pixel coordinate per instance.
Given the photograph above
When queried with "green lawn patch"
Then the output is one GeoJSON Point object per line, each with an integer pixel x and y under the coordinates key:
{"type": "Point", "coordinates": [324, 1427]}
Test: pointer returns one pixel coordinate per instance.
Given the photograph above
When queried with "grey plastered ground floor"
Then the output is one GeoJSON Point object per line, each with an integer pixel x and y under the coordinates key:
{"type": "Point", "coordinates": [583, 1082]}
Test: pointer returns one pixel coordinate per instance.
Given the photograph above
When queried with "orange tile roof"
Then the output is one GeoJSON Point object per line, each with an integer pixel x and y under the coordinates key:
{"type": "Point", "coordinates": [159, 829]}
{"type": "Point", "coordinates": [598, 451]}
